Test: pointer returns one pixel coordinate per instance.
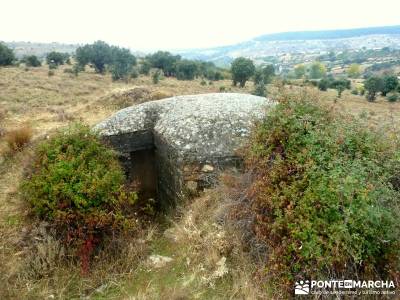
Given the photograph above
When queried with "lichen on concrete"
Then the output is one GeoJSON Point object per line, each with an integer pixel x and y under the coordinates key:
{"type": "Point", "coordinates": [200, 131]}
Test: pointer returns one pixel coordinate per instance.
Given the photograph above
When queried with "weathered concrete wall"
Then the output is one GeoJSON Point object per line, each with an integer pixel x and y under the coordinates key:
{"type": "Point", "coordinates": [193, 137]}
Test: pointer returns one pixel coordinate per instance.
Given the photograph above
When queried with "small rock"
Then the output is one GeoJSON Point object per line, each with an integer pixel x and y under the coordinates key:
{"type": "Point", "coordinates": [159, 261]}
{"type": "Point", "coordinates": [207, 168]}
{"type": "Point", "coordinates": [191, 186]}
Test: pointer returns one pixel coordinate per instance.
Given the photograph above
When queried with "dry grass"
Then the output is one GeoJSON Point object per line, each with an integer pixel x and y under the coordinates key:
{"type": "Point", "coordinates": [17, 139]}
{"type": "Point", "coordinates": [379, 114]}
{"type": "Point", "coordinates": [208, 260]}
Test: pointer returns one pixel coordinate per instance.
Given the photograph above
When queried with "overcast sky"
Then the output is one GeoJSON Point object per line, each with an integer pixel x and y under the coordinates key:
{"type": "Point", "coordinates": [174, 24]}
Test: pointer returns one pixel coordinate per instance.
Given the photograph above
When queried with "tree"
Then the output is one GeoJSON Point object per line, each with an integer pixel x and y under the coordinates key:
{"type": "Point", "coordinates": [82, 55]}
{"type": "Point", "coordinates": [208, 70]}
{"type": "Point", "coordinates": [258, 77]}
{"type": "Point", "coordinates": [373, 85]}
{"type": "Point", "coordinates": [317, 70]}
{"type": "Point", "coordinates": [264, 74]}
{"type": "Point", "coordinates": [268, 73]}
{"type": "Point", "coordinates": [32, 61]}
{"type": "Point", "coordinates": [165, 61]}
{"type": "Point", "coordinates": [145, 67]}
{"type": "Point", "coordinates": [323, 84]}
{"type": "Point", "coordinates": [122, 63]}
{"type": "Point", "coordinates": [55, 58]}
{"type": "Point", "coordinates": [99, 54]}
{"type": "Point", "coordinates": [390, 83]}
{"type": "Point", "coordinates": [186, 69]}
{"type": "Point", "coordinates": [300, 71]}
{"type": "Point", "coordinates": [340, 85]}
{"type": "Point", "coordinates": [6, 55]}
{"type": "Point", "coordinates": [353, 71]}
{"type": "Point", "coordinates": [242, 69]}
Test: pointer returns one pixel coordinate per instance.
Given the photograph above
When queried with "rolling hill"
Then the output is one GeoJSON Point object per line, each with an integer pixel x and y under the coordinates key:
{"type": "Point", "coordinates": [301, 42]}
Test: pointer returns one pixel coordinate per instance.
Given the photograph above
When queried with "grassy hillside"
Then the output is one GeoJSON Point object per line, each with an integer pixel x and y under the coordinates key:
{"type": "Point", "coordinates": [196, 252]}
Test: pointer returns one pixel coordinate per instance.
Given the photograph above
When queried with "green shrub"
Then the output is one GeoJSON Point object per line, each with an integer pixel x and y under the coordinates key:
{"type": "Point", "coordinates": [76, 184]}
{"type": "Point", "coordinates": [7, 56]}
{"type": "Point", "coordinates": [322, 195]}
{"type": "Point", "coordinates": [156, 76]}
{"type": "Point", "coordinates": [32, 61]}
{"type": "Point", "coordinates": [145, 67]}
{"type": "Point", "coordinates": [373, 85]}
{"type": "Point", "coordinates": [323, 84]}
{"type": "Point", "coordinates": [134, 73]}
{"type": "Point", "coordinates": [393, 97]}
{"type": "Point", "coordinates": [52, 66]}
{"type": "Point", "coordinates": [164, 61]}
{"type": "Point", "coordinates": [122, 63]}
{"type": "Point", "coordinates": [260, 90]}
{"type": "Point", "coordinates": [50, 73]}
{"type": "Point", "coordinates": [56, 58]}
{"type": "Point", "coordinates": [185, 69]}
{"type": "Point", "coordinates": [354, 92]}
{"type": "Point", "coordinates": [203, 82]}
{"type": "Point", "coordinates": [222, 89]}
{"type": "Point", "coordinates": [77, 68]}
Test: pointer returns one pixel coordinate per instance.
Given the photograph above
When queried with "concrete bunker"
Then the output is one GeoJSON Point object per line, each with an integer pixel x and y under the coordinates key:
{"type": "Point", "coordinates": [180, 144]}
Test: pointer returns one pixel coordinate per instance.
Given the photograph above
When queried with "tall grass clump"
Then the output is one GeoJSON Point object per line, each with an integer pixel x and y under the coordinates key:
{"type": "Point", "coordinates": [18, 138]}
{"type": "Point", "coordinates": [323, 197]}
{"type": "Point", "coordinates": [77, 185]}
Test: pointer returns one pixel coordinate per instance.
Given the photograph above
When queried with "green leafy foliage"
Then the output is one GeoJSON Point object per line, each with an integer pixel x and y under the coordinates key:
{"type": "Point", "coordinates": [264, 74]}
{"type": "Point", "coordinates": [56, 58]}
{"type": "Point", "coordinates": [242, 69]}
{"type": "Point", "coordinates": [186, 69]}
{"type": "Point", "coordinates": [392, 97]}
{"type": "Point", "coordinates": [373, 85]}
{"type": "Point", "coordinates": [300, 71]}
{"type": "Point", "coordinates": [354, 71]}
{"type": "Point", "coordinates": [122, 63]}
{"type": "Point", "coordinates": [155, 77]}
{"type": "Point", "coordinates": [390, 83]}
{"type": "Point", "coordinates": [6, 55]}
{"type": "Point", "coordinates": [317, 70]}
{"type": "Point", "coordinates": [32, 61]}
{"type": "Point", "coordinates": [338, 84]}
{"type": "Point", "coordinates": [101, 55]}
{"type": "Point", "coordinates": [260, 90]}
{"type": "Point", "coordinates": [322, 195]}
{"type": "Point", "coordinates": [164, 61]}
{"type": "Point", "coordinates": [76, 184]}
{"type": "Point", "coordinates": [145, 67]}
{"type": "Point", "coordinates": [208, 70]}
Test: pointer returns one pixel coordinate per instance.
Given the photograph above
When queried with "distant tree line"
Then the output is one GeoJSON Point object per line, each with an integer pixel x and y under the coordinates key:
{"type": "Point", "coordinates": [122, 64]}
{"type": "Point", "coordinates": [183, 69]}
